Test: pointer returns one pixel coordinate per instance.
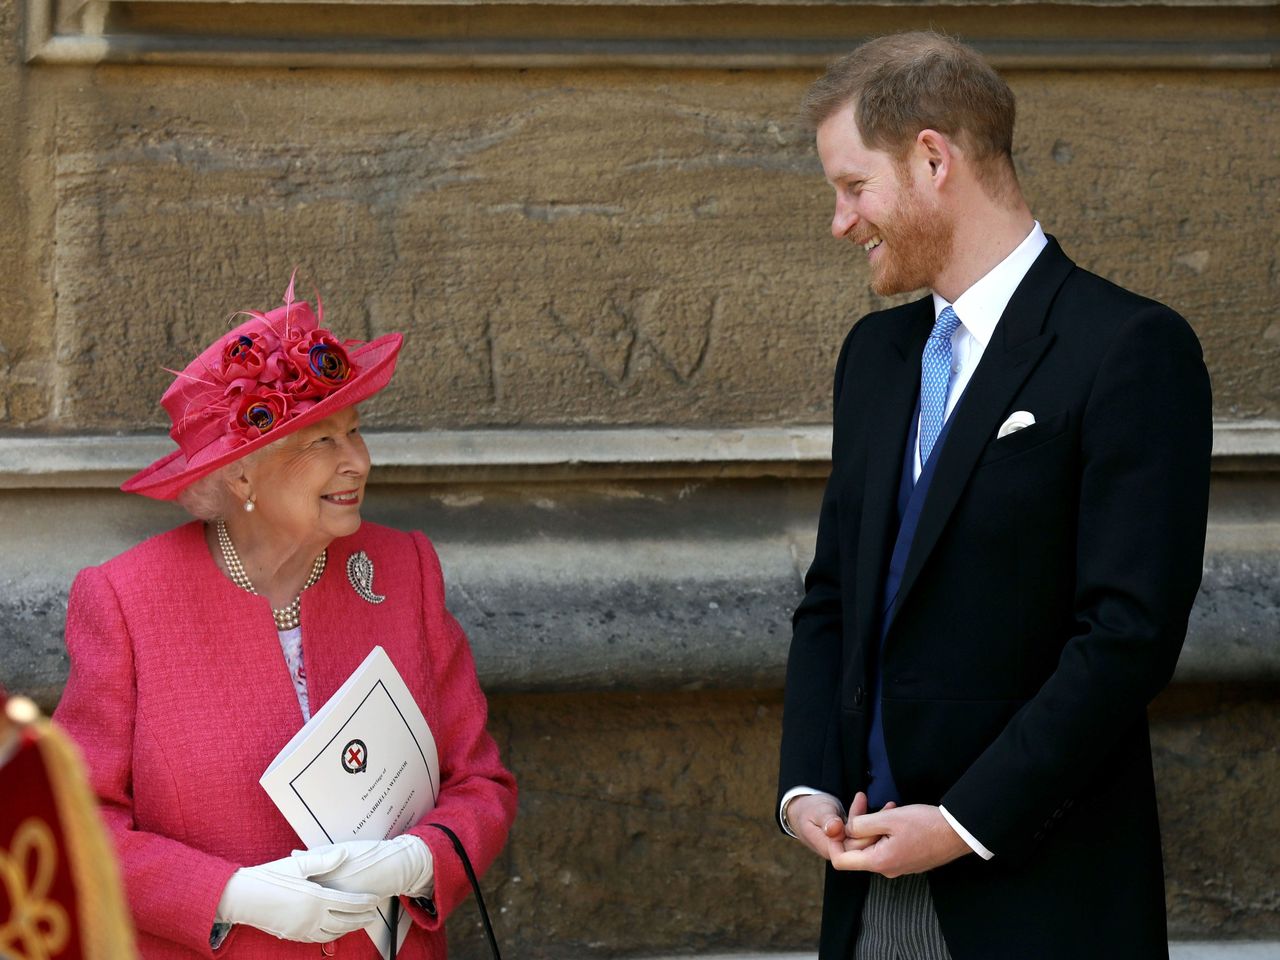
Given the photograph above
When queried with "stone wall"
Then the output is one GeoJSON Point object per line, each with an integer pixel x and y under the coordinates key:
{"type": "Point", "coordinates": [569, 246]}
{"type": "Point", "coordinates": [554, 267]}
{"type": "Point", "coordinates": [659, 839]}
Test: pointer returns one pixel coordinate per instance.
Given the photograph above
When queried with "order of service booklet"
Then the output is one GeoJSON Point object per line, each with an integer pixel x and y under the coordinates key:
{"type": "Point", "coordinates": [363, 768]}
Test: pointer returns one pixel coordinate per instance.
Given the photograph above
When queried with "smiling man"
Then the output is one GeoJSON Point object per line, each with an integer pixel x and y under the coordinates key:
{"type": "Point", "coordinates": [1007, 553]}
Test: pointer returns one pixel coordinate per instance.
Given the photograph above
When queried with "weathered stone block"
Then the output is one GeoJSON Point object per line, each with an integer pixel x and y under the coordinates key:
{"type": "Point", "coordinates": [654, 585]}
{"type": "Point", "coordinates": [1120, 176]}
{"type": "Point", "coordinates": [657, 835]}
{"type": "Point", "coordinates": [1217, 756]}
{"type": "Point", "coordinates": [588, 247]}
{"type": "Point", "coordinates": [646, 824]}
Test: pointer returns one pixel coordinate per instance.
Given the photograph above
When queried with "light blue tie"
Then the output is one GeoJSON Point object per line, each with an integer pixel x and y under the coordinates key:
{"type": "Point", "coordinates": [935, 380]}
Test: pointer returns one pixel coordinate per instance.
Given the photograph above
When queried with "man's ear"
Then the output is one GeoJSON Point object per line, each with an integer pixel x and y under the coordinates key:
{"type": "Point", "coordinates": [936, 152]}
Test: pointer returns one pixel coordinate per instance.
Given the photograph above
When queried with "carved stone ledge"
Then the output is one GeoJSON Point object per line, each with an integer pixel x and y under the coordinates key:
{"type": "Point", "coordinates": [653, 34]}
{"type": "Point", "coordinates": [543, 455]}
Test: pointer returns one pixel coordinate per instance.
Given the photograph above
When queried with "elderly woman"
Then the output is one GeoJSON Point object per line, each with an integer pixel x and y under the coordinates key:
{"type": "Point", "coordinates": [196, 655]}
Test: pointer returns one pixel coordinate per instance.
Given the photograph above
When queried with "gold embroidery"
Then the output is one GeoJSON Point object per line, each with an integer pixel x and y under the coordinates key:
{"type": "Point", "coordinates": [103, 925]}
{"type": "Point", "coordinates": [37, 927]}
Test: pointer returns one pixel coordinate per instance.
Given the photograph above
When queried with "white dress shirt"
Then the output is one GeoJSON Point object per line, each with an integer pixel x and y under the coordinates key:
{"type": "Point", "coordinates": [979, 309]}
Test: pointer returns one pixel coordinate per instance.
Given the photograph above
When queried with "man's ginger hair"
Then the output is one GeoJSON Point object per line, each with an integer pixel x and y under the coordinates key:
{"type": "Point", "coordinates": [907, 82]}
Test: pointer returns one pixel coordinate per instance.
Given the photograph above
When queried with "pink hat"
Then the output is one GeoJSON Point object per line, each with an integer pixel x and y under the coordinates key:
{"type": "Point", "coordinates": [272, 375]}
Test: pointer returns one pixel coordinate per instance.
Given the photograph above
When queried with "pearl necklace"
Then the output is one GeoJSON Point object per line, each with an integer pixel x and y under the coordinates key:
{"type": "Point", "coordinates": [286, 618]}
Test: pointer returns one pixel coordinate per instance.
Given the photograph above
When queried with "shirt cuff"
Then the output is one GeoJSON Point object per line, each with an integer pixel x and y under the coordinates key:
{"type": "Point", "coordinates": [802, 792]}
{"type": "Point", "coordinates": [974, 844]}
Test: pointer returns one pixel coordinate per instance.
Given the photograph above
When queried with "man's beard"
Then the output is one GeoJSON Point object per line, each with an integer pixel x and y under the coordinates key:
{"type": "Point", "coordinates": [918, 240]}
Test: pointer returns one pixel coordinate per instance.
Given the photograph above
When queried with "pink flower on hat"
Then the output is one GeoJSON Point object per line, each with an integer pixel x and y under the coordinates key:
{"type": "Point", "coordinates": [257, 413]}
{"type": "Point", "coordinates": [321, 360]}
{"type": "Point", "coordinates": [244, 356]}
{"type": "Point", "coordinates": [279, 370]}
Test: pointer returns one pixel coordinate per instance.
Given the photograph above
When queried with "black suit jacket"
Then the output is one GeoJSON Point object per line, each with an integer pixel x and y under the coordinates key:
{"type": "Point", "coordinates": [1043, 605]}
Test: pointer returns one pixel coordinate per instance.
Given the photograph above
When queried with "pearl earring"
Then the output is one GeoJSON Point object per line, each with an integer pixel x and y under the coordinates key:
{"type": "Point", "coordinates": [248, 505]}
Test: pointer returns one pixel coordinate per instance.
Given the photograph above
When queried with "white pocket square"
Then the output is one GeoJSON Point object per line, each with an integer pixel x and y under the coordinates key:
{"type": "Point", "coordinates": [1018, 420]}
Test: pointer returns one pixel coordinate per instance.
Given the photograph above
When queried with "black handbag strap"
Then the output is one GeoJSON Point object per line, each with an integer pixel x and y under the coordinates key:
{"type": "Point", "coordinates": [475, 886]}
{"type": "Point", "coordinates": [394, 946]}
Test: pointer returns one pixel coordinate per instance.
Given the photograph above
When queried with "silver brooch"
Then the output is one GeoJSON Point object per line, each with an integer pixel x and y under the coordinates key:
{"type": "Point", "coordinates": [360, 573]}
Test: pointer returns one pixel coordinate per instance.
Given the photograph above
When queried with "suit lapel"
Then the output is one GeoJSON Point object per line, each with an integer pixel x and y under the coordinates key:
{"type": "Point", "coordinates": [1016, 346]}
{"type": "Point", "coordinates": [895, 367]}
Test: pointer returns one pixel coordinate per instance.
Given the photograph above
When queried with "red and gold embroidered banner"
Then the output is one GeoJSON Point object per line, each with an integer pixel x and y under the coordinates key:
{"type": "Point", "coordinates": [59, 888]}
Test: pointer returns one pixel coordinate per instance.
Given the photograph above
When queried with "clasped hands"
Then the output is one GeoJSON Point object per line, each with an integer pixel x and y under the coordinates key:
{"type": "Point", "coordinates": [319, 895]}
{"type": "Point", "coordinates": [892, 842]}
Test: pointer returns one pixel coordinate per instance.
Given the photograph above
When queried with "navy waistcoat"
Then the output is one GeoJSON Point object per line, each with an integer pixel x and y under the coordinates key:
{"type": "Point", "coordinates": [911, 496]}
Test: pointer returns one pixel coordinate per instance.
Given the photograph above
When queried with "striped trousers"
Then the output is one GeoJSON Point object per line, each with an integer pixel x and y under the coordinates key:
{"type": "Point", "coordinates": [899, 922]}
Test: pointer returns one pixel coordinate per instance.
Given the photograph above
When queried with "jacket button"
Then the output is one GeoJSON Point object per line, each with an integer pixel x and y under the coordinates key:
{"type": "Point", "coordinates": [858, 697]}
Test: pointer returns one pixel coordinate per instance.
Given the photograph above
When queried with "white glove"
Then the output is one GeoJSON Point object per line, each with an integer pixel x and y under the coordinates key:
{"type": "Point", "coordinates": [385, 868]}
{"type": "Point", "coordinates": [278, 898]}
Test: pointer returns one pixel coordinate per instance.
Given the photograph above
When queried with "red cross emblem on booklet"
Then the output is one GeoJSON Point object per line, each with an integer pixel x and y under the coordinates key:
{"type": "Point", "coordinates": [355, 756]}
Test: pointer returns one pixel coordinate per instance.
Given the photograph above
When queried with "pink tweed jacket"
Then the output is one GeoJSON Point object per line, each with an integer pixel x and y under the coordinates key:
{"type": "Point", "coordinates": [179, 697]}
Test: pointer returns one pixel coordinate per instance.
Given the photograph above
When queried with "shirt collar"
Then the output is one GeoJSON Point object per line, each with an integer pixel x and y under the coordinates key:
{"type": "Point", "coordinates": [979, 308]}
